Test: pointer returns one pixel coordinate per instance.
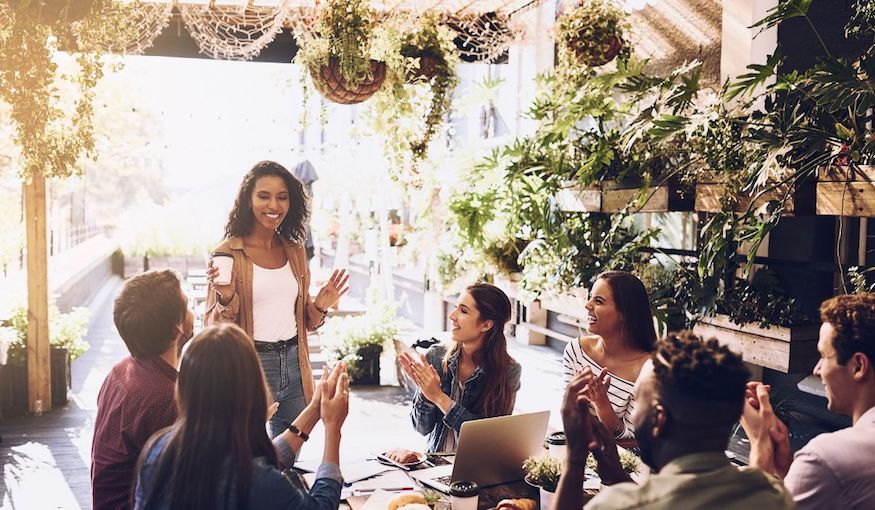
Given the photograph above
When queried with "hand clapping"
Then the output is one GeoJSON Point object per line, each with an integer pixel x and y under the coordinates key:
{"type": "Point", "coordinates": [423, 375]}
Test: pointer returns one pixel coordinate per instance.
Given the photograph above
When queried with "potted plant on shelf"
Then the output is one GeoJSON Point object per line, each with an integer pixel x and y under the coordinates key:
{"type": "Point", "coordinates": [359, 340]}
{"type": "Point", "coordinates": [343, 55]}
{"type": "Point", "coordinates": [543, 472]}
{"type": "Point", "coordinates": [593, 33]}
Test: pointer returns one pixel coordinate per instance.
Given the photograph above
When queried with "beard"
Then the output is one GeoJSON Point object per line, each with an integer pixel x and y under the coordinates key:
{"type": "Point", "coordinates": [646, 443]}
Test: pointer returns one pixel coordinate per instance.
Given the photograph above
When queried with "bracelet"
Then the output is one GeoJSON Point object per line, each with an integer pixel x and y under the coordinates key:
{"type": "Point", "coordinates": [323, 312]}
{"type": "Point", "coordinates": [296, 431]}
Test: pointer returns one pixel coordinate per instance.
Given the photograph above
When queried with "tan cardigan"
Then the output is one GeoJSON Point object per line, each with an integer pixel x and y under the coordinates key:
{"type": "Point", "coordinates": [239, 309]}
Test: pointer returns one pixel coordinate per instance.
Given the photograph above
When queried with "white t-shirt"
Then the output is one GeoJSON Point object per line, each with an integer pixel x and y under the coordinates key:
{"type": "Point", "coordinates": [274, 293]}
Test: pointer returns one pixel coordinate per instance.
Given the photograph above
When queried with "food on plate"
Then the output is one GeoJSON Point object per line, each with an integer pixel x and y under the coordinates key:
{"type": "Point", "coordinates": [404, 456]}
{"type": "Point", "coordinates": [406, 500]}
{"type": "Point", "coordinates": [414, 506]}
{"type": "Point", "coordinates": [517, 504]}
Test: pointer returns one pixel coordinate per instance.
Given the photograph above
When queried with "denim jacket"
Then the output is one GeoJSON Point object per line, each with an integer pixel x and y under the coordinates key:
{"type": "Point", "coordinates": [270, 489]}
{"type": "Point", "coordinates": [429, 420]}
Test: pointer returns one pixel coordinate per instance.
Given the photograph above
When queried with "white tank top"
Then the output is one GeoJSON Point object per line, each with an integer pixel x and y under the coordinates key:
{"type": "Point", "coordinates": [274, 292]}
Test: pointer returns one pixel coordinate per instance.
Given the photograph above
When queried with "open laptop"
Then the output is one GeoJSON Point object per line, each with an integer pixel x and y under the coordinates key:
{"type": "Point", "coordinates": [491, 451]}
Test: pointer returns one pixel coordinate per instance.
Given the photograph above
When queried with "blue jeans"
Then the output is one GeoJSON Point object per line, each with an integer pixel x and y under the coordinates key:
{"type": "Point", "coordinates": [284, 378]}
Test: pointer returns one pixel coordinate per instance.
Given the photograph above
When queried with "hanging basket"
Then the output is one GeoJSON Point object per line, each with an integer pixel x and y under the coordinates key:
{"type": "Point", "coordinates": [330, 83]}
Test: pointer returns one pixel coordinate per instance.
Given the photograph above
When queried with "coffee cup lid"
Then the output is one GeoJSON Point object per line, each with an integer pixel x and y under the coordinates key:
{"type": "Point", "coordinates": [464, 489]}
{"type": "Point", "coordinates": [556, 438]}
{"type": "Point", "coordinates": [221, 254]}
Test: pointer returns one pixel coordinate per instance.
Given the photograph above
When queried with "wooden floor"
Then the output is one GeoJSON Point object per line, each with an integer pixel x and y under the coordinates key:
{"type": "Point", "coordinates": [45, 460]}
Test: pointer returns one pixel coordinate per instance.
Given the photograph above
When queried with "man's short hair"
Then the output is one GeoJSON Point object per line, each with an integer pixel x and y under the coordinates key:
{"type": "Point", "coordinates": [853, 318]}
{"type": "Point", "coordinates": [147, 311]}
{"type": "Point", "coordinates": [695, 372]}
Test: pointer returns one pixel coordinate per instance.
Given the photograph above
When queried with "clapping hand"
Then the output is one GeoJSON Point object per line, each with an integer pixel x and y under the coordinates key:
{"type": "Point", "coordinates": [769, 437]}
{"type": "Point", "coordinates": [576, 419]}
{"type": "Point", "coordinates": [423, 375]}
{"type": "Point", "coordinates": [330, 293]}
{"type": "Point", "coordinates": [334, 398]}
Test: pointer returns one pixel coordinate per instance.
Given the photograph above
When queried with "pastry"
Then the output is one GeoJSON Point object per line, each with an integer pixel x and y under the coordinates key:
{"type": "Point", "coordinates": [517, 504]}
{"type": "Point", "coordinates": [406, 499]}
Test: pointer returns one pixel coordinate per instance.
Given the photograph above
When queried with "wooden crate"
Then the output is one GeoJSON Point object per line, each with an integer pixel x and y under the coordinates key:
{"type": "Point", "coordinates": [709, 194]}
{"type": "Point", "coordinates": [612, 197]}
{"type": "Point", "coordinates": [843, 191]}
{"type": "Point", "coordinates": [787, 350]}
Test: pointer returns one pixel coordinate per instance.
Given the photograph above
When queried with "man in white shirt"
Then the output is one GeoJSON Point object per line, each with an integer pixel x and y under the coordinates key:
{"type": "Point", "coordinates": [834, 470]}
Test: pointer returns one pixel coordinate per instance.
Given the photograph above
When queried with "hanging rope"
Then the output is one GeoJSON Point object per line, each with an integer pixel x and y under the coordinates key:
{"type": "Point", "coordinates": [234, 32]}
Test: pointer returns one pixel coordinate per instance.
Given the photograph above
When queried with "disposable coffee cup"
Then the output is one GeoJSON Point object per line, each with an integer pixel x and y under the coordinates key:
{"type": "Point", "coordinates": [224, 262]}
{"type": "Point", "coordinates": [464, 495]}
{"type": "Point", "coordinates": [556, 445]}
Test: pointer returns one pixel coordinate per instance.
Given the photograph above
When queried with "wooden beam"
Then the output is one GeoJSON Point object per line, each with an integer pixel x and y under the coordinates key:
{"type": "Point", "coordinates": [38, 351]}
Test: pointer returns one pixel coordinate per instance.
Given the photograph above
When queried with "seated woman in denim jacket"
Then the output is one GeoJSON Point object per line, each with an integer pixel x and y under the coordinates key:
{"type": "Point", "coordinates": [474, 378]}
{"type": "Point", "coordinates": [218, 453]}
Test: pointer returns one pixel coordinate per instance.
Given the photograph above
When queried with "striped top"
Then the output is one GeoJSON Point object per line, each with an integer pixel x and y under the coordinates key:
{"type": "Point", "coordinates": [621, 392]}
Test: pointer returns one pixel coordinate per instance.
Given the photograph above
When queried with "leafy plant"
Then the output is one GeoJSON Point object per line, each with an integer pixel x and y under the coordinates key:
{"type": "Point", "coordinates": [344, 30]}
{"type": "Point", "coordinates": [66, 331]}
{"type": "Point", "coordinates": [629, 462]}
{"type": "Point", "coordinates": [543, 471]}
{"type": "Point", "coordinates": [763, 301]}
{"type": "Point", "coordinates": [347, 339]}
{"type": "Point", "coordinates": [593, 33]}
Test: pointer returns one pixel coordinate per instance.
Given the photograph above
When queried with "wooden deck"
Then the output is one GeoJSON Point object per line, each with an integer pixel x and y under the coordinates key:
{"type": "Point", "coordinates": [45, 460]}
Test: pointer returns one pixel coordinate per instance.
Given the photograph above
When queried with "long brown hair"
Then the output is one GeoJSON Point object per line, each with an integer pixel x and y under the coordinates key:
{"type": "Point", "coordinates": [496, 399]}
{"type": "Point", "coordinates": [631, 301]}
{"type": "Point", "coordinates": [222, 399]}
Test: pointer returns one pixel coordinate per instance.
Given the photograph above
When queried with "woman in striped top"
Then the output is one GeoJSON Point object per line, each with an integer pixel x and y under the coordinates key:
{"type": "Point", "coordinates": [617, 349]}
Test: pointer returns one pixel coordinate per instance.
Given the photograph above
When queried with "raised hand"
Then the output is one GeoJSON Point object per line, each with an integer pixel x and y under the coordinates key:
{"type": "Point", "coordinates": [335, 400]}
{"type": "Point", "coordinates": [330, 293]}
{"type": "Point", "coordinates": [597, 388]}
{"type": "Point", "coordinates": [576, 419]}
{"type": "Point", "coordinates": [423, 375]}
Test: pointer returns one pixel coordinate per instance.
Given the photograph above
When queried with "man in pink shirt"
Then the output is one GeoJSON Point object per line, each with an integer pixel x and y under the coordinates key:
{"type": "Point", "coordinates": [834, 470]}
{"type": "Point", "coordinates": [137, 398]}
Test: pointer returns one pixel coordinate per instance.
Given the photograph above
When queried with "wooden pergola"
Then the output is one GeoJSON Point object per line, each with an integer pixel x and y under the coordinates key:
{"type": "Point", "coordinates": [172, 40]}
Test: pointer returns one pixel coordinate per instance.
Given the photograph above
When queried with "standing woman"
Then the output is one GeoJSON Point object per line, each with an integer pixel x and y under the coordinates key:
{"type": "Point", "coordinates": [618, 347]}
{"type": "Point", "coordinates": [474, 378]}
{"type": "Point", "coordinates": [269, 291]}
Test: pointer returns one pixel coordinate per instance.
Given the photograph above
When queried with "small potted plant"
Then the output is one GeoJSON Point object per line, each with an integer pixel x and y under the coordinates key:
{"type": "Point", "coordinates": [338, 53]}
{"type": "Point", "coordinates": [593, 32]}
{"type": "Point", "coordinates": [543, 472]}
{"type": "Point", "coordinates": [359, 340]}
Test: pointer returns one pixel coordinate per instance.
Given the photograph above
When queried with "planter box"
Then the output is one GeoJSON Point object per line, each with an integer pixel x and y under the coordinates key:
{"type": "Point", "coordinates": [800, 203]}
{"type": "Point", "coordinates": [613, 197]}
{"type": "Point", "coordinates": [366, 371]}
{"type": "Point", "coordinates": [13, 384]}
{"type": "Point", "coordinates": [784, 349]}
{"type": "Point", "coordinates": [843, 191]}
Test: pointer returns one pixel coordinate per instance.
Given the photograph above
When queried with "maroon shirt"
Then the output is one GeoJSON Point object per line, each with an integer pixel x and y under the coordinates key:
{"type": "Point", "coordinates": [135, 401]}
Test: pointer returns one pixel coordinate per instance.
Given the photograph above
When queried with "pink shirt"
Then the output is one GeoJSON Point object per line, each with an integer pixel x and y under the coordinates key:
{"type": "Point", "coordinates": [837, 469]}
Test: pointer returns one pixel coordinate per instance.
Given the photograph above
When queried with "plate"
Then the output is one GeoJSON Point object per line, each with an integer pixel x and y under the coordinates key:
{"type": "Point", "coordinates": [419, 460]}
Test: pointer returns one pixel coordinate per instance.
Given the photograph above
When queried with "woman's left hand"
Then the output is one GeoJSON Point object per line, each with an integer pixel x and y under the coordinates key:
{"type": "Point", "coordinates": [424, 376]}
{"type": "Point", "coordinates": [330, 293]}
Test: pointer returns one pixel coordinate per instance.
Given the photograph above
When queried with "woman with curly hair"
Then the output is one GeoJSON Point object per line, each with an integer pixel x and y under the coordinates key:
{"type": "Point", "coordinates": [268, 294]}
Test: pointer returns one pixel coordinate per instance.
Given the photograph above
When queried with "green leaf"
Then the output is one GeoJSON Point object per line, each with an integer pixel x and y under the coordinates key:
{"type": "Point", "coordinates": [786, 9]}
{"type": "Point", "coordinates": [748, 82]}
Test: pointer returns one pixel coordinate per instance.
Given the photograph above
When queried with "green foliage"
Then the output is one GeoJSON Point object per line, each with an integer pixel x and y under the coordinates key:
{"type": "Point", "coordinates": [66, 331]}
{"type": "Point", "coordinates": [344, 30]}
{"type": "Point", "coordinates": [593, 33]}
{"type": "Point", "coordinates": [629, 462]}
{"type": "Point", "coordinates": [543, 471]}
{"type": "Point", "coordinates": [347, 338]}
{"type": "Point", "coordinates": [52, 136]}
{"type": "Point", "coordinates": [764, 301]}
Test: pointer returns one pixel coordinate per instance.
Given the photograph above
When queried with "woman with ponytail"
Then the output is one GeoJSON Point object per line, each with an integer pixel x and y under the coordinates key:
{"type": "Point", "coordinates": [473, 377]}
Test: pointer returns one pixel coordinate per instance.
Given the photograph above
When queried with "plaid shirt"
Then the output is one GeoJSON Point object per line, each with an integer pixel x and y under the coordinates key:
{"type": "Point", "coordinates": [135, 401]}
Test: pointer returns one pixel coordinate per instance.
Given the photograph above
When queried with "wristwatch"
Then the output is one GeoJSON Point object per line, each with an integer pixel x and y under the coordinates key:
{"type": "Point", "coordinates": [296, 431]}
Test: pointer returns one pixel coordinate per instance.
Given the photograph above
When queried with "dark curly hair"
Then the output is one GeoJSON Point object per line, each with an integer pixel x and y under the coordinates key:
{"type": "Point", "coordinates": [704, 371]}
{"type": "Point", "coordinates": [293, 228]}
{"type": "Point", "coordinates": [853, 318]}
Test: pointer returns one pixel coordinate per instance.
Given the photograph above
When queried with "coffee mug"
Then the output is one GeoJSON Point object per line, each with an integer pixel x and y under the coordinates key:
{"type": "Point", "coordinates": [464, 495]}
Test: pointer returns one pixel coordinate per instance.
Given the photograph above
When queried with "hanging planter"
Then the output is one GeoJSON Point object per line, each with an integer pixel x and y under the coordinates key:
{"type": "Point", "coordinates": [345, 54]}
{"type": "Point", "coordinates": [329, 81]}
{"type": "Point", "coordinates": [593, 33]}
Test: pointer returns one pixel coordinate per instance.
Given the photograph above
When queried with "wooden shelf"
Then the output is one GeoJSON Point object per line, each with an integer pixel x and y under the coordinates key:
{"type": "Point", "coordinates": [611, 197]}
